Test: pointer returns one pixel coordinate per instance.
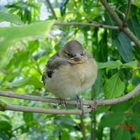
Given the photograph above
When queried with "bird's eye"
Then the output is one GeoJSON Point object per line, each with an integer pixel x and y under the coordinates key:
{"type": "Point", "coordinates": [68, 54]}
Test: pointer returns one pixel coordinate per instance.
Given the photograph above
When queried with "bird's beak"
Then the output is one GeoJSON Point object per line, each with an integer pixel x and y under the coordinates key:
{"type": "Point", "coordinates": [78, 57]}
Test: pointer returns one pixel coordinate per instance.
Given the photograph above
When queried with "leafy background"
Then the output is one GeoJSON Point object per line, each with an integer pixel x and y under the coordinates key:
{"type": "Point", "coordinates": [28, 38]}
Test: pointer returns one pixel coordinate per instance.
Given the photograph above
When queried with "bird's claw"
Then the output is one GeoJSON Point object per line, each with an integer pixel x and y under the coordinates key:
{"type": "Point", "coordinates": [62, 102]}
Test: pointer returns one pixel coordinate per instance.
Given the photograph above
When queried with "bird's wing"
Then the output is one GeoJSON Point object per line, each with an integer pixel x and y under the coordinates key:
{"type": "Point", "coordinates": [54, 63]}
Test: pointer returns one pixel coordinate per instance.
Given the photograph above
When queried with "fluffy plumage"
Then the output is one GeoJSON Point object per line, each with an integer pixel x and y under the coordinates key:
{"type": "Point", "coordinates": [70, 71]}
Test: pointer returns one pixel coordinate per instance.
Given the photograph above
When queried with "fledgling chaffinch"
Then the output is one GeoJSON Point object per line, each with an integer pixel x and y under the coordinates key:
{"type": "Point", "coordinates": [70, 71]}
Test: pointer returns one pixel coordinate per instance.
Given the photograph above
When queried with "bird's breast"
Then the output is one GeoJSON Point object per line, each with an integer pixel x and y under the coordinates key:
{"type": "Point", "coordinates": [87, 73]}
{"type": "Point", "coordinates": [70, 80]}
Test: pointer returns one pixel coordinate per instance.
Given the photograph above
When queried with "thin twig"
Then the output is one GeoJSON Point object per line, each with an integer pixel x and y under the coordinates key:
{"type": "Point", "coordinates": [120, 23]}
{"type": "Point", "coordinates": [51, 8]}
{"type": "Point", "coordinates": [112, 13]}
{"type": "Point", "coordinates": [127, 13]}
{"type": "Point", "coordinates": [41, 110]}
{"type": "Point", "coordinates": [99, 25]}
{"type": "Point", "coordinates": [126, 97]}
{"type": "Point", "coordinates": [35, 98]}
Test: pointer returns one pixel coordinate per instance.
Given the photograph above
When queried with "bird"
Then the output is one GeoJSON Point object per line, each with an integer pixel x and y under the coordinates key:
{"type": "Point", "coordinates": [70, 71]}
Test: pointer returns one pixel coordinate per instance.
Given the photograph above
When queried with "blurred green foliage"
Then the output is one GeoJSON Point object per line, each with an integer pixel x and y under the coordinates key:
{"type": "Point", "coordinates": [26, 46]}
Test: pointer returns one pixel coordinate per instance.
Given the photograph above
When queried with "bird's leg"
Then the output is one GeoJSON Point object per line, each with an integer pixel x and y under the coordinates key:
{"type": "Point", "coordinates": [80, 103]}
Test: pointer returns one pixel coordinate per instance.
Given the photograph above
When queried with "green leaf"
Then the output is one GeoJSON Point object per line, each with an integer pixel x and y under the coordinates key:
{"type": "Point", "coordinates": [10, 35]}
{"type": "Point", "coordinates": [122, 134]}
{"type": "Point", "coordinates": [134, 26]}
{"type": "Point", "coordinates": [114, 87]}
{"type": "Point", "coordinates": [110, 65]}
{"type": "Point", "coordinates": [102, 49]}
{"type": "Point", "coordinates": [121, 107]}
{"type": "Point", "coordinates": [5, 126]}
{"type": "Point", "coordinates": [132, 64]}
{"type": "Point", "coordinates": [135, 80]}
{"type": "Point", "coordinates": [4, 136]}
{"type": "Point", "coordinates": [65, 121]}
{"type": "Point", "coordinates": [112, 119]}
{"type": "Point", "coordinates": [29, 119]}
{"type": "Point", "coordinates": [65, 135]}
{"type": "Point", "coordinates": [9, 17]}
{"type": "Point", "coordinates": [118, 64]}
{"type": "Point", "coordinates": [136, 3]}
{"type": "Point", "coordinates": [124, 47]}
{"type": "Point", "coordinates": [27, 81]}
{"type": "Point", "coordinates": [136, 108]}
{"type": "Point", "coordinates": [136, 121]}
{"type": "Point", "coordinates": [63, 7]}
{"type": "Point", "coordinates": [98, 87]}
{"type": "Point", "coordinates": [4, 117]}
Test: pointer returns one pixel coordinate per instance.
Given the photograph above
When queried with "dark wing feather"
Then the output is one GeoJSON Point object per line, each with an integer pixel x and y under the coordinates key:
{"type": "Point", "coordinates": [54, 63]}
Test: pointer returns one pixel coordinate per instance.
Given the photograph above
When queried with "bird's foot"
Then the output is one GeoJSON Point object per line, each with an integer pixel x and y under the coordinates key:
{"type": "Point", "coordinates": [62, 102]}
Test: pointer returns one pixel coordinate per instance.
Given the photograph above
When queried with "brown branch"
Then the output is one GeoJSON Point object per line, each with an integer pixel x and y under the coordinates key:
{"type": "Point", "coordinates": [93, 103]}
{"type": "Point", "coordinates": [36, 98]}
{"type": "Point", "coordinates": [126, 97]}
{"type": "Point", "coordinates": [127, 13]}
{"type": "Point", "coordinates": [98, 25]}
{"type": "Point", "coordinates": [112, 13]}
{"type": "Point", "coordinates": [120, 23]}
{"type": "Point", "coordinates": [18, 108]}
{"type": "Point", "coordinates": [51, 8]}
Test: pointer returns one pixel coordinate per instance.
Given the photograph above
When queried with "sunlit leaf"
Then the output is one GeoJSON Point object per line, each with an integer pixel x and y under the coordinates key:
{"type": "Point", "coordinates": [9, 35]}
{"type": "Point", "coordinates": [27, 81]}
{"type": "Point", "coordinates": [110, 65]}
{"type": "Point", "coordinates": [9, 17]}
{"type": "Point", "coordinates": [132, 64]}
{"type": "Point", "coordinates": [136, 3]}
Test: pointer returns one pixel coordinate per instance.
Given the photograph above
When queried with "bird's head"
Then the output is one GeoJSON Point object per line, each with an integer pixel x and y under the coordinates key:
{"type": "Point", "coordinates": [73, 52]}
